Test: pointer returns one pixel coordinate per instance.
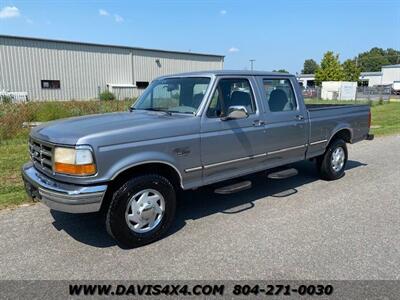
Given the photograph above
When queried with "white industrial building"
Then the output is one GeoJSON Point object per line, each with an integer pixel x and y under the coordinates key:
{"type": "Point", "coordinates": [370, 78]}
{"type": "Point", "coordinates": [63, 70]}
{"type": "Point", "coordinates": [388, 75]}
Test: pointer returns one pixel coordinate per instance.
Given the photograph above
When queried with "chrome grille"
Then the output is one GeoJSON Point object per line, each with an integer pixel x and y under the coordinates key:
{"type": "Point", "coordinates": [41, 155]}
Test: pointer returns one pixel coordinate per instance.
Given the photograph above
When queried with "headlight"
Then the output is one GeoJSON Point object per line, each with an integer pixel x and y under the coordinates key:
{"type": "Point", "coordinates": [74, 161]}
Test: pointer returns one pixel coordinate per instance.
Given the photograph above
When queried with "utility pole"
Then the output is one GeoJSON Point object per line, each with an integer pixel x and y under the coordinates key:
{"type": "Point", "coordinates": [251, 63]}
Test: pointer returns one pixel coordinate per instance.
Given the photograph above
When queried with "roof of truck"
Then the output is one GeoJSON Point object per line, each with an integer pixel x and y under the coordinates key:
{"type": "Point", "coordinates": [229, 73]}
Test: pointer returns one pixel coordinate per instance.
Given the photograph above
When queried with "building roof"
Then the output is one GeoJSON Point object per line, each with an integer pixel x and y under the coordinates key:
{"type": "Point", "coordinates": [107, 45]}
{"type": "Point", "coordinates": [229, 73]}
{"type": "Point", "coordinates": [371, 74]}
{"type": "Point", "coordinates": [306, 76]}
{"type": "Point", "coordinates": [391, 66]}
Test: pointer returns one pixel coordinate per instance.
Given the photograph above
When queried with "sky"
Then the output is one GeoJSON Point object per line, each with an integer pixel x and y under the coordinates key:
{"type": "Point", "coordinates": [277, 34]}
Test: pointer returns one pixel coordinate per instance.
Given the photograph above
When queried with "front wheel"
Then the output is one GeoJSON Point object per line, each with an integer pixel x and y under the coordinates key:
{"type": "Point", "coordinates": [332, 163]}
{"type": "Point", "coordinates": [141, 210]}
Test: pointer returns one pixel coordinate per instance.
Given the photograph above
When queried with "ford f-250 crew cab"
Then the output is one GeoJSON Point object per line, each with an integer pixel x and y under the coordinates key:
{"type": "Point", "coordinates": [185, 131]}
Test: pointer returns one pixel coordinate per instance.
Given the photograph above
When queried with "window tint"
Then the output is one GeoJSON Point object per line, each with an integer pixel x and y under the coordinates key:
{"type": "Point", "coordinates": [231, 92]}
{"type": "Point", "coordinates": [280, 96]}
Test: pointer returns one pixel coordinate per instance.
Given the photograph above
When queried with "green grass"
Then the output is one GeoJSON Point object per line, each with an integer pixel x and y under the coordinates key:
{"type": "Point", "coordinates": [13, 154]}
{"type": "Point", "coordinates": [386, 119]}
{"type": "Point", "coordinates": [13, 115]}
{"type": "Point", "coordinates": [13, 146]}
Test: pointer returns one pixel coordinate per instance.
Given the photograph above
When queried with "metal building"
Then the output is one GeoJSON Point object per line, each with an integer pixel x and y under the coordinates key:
{"type": "Point", "coordinates": [64, 70]}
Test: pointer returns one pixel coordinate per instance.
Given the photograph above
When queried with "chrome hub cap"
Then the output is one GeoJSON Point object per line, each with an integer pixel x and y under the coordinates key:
{"type": "Point", "coordinates": [337, 159]}
{"type": "Point", "coordinates": [145, 210]}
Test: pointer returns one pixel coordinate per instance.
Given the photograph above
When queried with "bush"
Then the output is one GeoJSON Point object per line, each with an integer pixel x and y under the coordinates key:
{"type": "Point", "coordinates": [12, 115]}
{"type": "Point", "coordinates": [5, 99]}
{"type": "Point", "coordinates": [107, 96]}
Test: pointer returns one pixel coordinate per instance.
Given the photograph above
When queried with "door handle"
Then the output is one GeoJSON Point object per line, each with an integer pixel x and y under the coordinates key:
{"type": "Point", "coordinates": [299, 117]}
{"type": "Point", "coordinates": [257, 123]}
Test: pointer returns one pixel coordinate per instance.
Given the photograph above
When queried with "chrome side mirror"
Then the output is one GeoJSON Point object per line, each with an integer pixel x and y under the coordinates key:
{"type": "Point", "coordinates": [236, 112]}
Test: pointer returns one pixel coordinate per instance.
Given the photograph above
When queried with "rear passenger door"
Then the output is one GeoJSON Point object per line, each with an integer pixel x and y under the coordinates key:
{"type": "Point", "coordinates": [231, 147]}
{"type": "Point", "coordinates": [285, 121]}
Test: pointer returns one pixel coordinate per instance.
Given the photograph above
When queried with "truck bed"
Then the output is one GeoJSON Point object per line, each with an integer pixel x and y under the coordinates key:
{"type": "Point", "coordinates": [311, 107]}
{"type": "Point", "coordinates": [326, 119]}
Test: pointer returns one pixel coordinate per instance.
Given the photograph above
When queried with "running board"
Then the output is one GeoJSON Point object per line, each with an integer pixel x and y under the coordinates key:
{"type": "Point", "coordinates": [233, 188]}
{"type": "Point", "coordinates": [283, 174]}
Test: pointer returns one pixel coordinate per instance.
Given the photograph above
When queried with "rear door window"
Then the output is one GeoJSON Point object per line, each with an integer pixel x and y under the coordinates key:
{"type": "Point", "coordinates": [280, 95]}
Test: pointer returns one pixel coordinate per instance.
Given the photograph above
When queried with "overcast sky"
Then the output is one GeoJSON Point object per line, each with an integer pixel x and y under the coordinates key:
{"type": "Point", "coordinates": [277, 34]}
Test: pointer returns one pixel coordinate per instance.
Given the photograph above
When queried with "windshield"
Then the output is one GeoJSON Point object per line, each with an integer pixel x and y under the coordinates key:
{"type": "Point", "coordinates": [180, 95]}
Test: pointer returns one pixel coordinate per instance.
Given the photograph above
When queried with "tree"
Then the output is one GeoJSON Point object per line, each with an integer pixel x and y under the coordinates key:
{"type": "Point", "coordinates": [351, 70]}
{"type": "Point", "coordinates": [310, 66]}
{"type": "Point", "coordinates": [281, 71]}
{"type": "Point", "coordinates": [330, 70]}
{"type": "Point", "coordinates": [393, 56]}
{"type": "Point", "coordinates": [374, 59]}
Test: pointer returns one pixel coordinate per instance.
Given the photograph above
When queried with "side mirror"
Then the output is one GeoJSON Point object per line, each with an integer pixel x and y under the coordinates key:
{"type": "Point", "coordinates": [236, 112]}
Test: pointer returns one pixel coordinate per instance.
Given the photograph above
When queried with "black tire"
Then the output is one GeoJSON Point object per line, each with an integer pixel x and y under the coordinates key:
{"type": "Point", "coordinates": [324, 162]}
{"type": "Point", "coordinates": [116, 223]}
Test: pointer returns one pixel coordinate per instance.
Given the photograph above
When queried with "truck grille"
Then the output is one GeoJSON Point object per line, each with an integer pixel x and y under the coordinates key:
{"type": "Point", "coordinates": [41, 155]}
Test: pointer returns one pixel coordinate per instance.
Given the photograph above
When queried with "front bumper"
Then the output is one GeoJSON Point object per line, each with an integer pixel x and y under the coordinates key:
{"type": "Point", "coordinates": [62, 196]}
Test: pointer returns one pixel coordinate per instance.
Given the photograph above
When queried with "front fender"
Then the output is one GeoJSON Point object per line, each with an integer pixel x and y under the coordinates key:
{"type": "Point", "coordinates": [142, 158]}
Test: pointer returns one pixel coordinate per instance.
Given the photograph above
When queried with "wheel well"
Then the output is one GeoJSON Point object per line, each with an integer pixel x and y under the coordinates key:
{"type": "Point", "coordinates": [343, 134]}
{"type": "Point", "coordinates": [154, 168]}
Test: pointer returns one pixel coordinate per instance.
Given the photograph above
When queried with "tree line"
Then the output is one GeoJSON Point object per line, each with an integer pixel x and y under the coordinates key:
{"type": "Point", "coordinates": [330, 68]}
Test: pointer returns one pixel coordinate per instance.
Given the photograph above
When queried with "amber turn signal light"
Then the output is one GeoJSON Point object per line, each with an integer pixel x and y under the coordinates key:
{"type": "Point", "coordinates": [82, 170]}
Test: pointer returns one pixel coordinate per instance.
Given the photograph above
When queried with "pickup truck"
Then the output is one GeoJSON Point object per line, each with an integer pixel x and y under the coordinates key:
{"type": "Point", "coordinates": [185, 131]}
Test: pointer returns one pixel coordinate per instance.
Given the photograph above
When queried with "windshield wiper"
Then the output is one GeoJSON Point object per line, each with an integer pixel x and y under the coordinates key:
{"type": "Point", "coordinates": [155, 109]}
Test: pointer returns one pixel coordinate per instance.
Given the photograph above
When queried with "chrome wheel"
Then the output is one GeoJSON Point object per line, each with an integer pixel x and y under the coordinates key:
{"type": "Point", "coordinates": [337, 159]}
{"type": "Point", "coordinates": [145, 211]}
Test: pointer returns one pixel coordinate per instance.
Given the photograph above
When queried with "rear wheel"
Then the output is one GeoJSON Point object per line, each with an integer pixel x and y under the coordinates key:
{"type": "Point", "coordinates": [332, 163]}
{"type": "Point", "coordinates": [141, 210]}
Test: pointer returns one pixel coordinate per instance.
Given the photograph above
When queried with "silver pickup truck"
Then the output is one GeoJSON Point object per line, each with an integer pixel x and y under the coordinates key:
{"type": "Point", "coordinates": [185, 131]}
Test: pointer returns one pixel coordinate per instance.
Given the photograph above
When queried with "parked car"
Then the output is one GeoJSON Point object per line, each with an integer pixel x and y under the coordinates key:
{"type": "Point", "coordinates": [186, 131]}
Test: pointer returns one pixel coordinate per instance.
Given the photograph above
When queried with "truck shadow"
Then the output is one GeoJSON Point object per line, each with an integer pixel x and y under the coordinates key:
{"type": "Point", "coordinates": [192, 205]}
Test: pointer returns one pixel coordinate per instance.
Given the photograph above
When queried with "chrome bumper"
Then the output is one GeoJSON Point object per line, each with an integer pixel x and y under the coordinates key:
{"type": "Point", "coordinates": [62, 196]}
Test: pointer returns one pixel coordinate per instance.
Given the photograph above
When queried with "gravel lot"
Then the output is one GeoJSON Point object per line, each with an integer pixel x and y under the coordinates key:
{"type": "Point", "coordinates": [298, 228]}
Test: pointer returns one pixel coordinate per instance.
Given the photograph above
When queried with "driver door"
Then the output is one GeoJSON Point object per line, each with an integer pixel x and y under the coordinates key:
{"type": "Point", "coordinates": [231, 147]}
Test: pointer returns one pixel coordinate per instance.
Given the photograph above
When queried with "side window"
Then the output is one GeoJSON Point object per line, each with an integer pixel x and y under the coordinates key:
{"type": "Point", "coordinates": [280, 95]}
{"type": "Point", "coordinates": [199, 90]}
{"type": "Point", "coordinates": [231, 92]}
{"type": "Point", "coordinates": [165, 96]}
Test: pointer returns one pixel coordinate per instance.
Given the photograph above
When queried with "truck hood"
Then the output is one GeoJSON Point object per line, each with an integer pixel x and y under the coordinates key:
{"type": "Point", "coordinates": [75, 130]}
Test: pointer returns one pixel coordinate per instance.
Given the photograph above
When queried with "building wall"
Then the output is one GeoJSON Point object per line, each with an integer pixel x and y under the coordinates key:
{"type": "Point", "coordinates": [305, 79]}
{"type": "Point", "coordinates": [390, 74]}
{"type": "Point", "coordinates": [339, 90]}
{"type": "Point", "coordinates": [373, 79]}
{"type": "Point", "coordinates": [85, 69]}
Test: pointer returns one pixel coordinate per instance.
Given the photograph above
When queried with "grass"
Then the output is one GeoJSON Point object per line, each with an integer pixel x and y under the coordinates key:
{"type": "Point", "coordinates": [13, 139]}
{"type": "Point", "coordinates": [13, 154]}
{"type": "Point", "coordinates": [386, 119]}
{"type": "Point", "coordinates": [13, 115]}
